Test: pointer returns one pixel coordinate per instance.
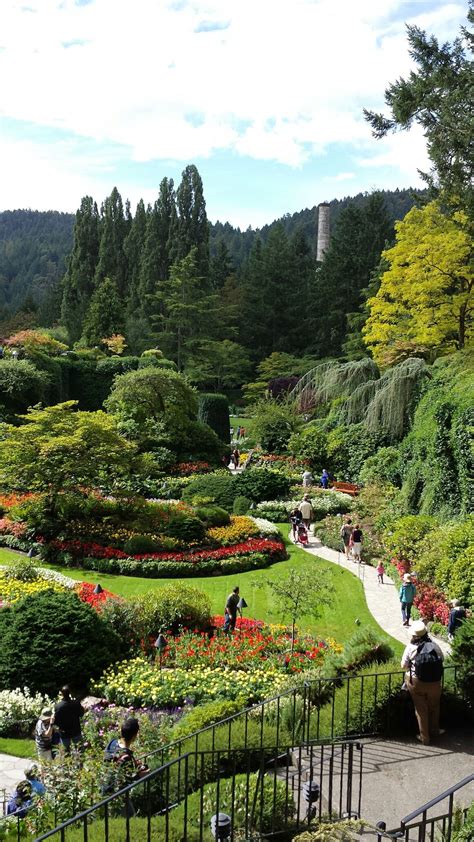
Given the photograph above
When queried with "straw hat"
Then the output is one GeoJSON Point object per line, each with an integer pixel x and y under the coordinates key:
{"type": "Point", "coordinates": [407, 577]}
{"type": "Point", "coordinates": [418, 629]}
{"type": "Point", "coordinates": [46, 714]}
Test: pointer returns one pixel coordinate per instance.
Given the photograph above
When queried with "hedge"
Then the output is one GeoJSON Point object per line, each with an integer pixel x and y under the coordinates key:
{"type": "Point", "coordinates": [213, 409]}
{"type": "Point", "coordinates": [182, 569]}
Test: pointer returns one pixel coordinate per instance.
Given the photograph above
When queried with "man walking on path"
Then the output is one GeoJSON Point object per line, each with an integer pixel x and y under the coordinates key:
{"type": "Point", "coordinates": [407, 595]}
{"type": "Point", "coordinates": [306, 510]}
{"type": "Point", "coordinates": [423, 662]}
{"type": "Point", "coordinates": [230, 610]}
{"type": "Point", "coordinates": [346, 535]}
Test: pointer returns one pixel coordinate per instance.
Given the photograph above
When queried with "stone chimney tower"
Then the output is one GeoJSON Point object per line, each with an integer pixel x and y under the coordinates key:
{"type": "Point", "coordinates": [324, 230]}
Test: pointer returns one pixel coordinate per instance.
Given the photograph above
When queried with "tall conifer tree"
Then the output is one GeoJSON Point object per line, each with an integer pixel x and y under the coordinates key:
{"type": "Point", "coordinates": [78, 284]}
{"type": "Point", "coordinates": [192, 224]}
{"type": "Point", "coordinates": [112, 259]}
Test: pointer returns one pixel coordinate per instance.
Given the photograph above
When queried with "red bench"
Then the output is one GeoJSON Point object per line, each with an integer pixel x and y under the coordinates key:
{"type": "Point", "coordinates": [346, 488]}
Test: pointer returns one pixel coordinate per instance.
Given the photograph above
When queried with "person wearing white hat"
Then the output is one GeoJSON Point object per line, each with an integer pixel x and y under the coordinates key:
{"type": "Point", "coordinates": [44, 735]}
{"type": "Point", "coordinates": [423, 662]}
{"type": "Point", "coordinates": [407, 595]}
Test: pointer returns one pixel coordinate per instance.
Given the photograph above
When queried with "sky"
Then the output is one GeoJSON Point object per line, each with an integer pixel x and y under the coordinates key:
{"type": "Point", "coordinates": [264, 96]}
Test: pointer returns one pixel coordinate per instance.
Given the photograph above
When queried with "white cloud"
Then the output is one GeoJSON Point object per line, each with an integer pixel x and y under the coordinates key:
{"type": "Point", "coordinates": [135, 70]}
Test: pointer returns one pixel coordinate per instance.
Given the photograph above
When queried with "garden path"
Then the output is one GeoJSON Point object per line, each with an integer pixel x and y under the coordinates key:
{"type": "Point", "coordinates": [382, 600]}
{"type": "Point", "coordinates": [12, 771]}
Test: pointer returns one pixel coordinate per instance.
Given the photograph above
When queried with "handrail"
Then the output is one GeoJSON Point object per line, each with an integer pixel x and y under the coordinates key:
{"type": "Point", "coordinates": [425, 807]}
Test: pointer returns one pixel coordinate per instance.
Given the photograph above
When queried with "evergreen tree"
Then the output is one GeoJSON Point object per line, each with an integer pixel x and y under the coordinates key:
{"type": "Point", "coordinates": [192, 225]}
{"type": "Point", "coordinates": [184, 312]}
{"type": "Point", "coordinates": [221, 266]}
{"type": "Point", "coordinates": [133, 247]}
{"type": "Point", "coordinates": [105, 314]}
{"type": "Point", "coordinates": [112, 259]}
{"type": "Point", "coordinates": [437, 96]}
{"type": "Point", "coordinates": [299, 292]}
{"type": "Point", "coordinates": [78, 284]}
{"type": "Point", "coordinates": [166, 226]}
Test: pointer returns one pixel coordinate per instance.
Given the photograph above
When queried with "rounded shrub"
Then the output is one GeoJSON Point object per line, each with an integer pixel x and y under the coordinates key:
{"type": "Point", "coordinates": [138, 544]}
{"type": "Point", "coordinates": [172, 608]}
{"type": "Point", "coordinates": [261, 484]}
{"type": "Point", "coordinates": [213, 516]}
{"type": "Point", "coordinates": [52, 638]}
{"type": "Point", "coordinates": [241, 505]}
{"type": "Point", "coordinates": [217, 487]}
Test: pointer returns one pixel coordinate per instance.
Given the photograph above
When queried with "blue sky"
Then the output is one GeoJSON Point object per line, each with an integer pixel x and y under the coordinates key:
{"type": "Point", "coordinates": [264, 96]}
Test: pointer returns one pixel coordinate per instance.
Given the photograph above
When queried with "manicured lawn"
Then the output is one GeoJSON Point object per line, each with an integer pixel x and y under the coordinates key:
{"type": "Point", "coordinates": [18, 747]}
{"type": "Point", "coordinates": [337, 621]}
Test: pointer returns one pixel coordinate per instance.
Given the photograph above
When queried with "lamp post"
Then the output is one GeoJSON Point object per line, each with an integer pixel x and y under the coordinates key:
{"type": "Point", "coordinates": [160, 646]}
{"type": "Point", "coordinates": [221, 826]}
{"type": "Point", "coordinates": [98, 589]}
{"type": "Point", "coordinates": [241, 605]}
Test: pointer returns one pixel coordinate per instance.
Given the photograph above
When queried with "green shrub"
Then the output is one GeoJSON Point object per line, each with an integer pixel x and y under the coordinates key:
{"type": "Point", "coordinates": [154, 569]}
{"type": "Point", "coordinates": [213, 516]}
{"type": "Point", "coordinates": [463, 658]}
{"type": "Point", "coordinates": [273, 424]}
{"type": "Point", "coordinates": [365, 648]}
{"type": "Point", "coordinates": [349, 448]}
{"type": "Point", "coordinates": [261, 484]}
{"type": "Point", "coordinates": [311, 443]}
{"type": "Point", "coordinates": [383, 467]}
{"type": "Point", "coordinates": [22, 569]}
{"type": "Point", "coordinates": [206, 714]}
{"type": "Point", "coordinates": [213, 410]}
{"type": "Point", "coordinates": [241, 505]}
{"type": "Point", "coordinates": [52, 638]}
{"type": "Point", "coordinates": [405, 538]}
{"type": "Point", "coordinates": [123, 616]}
{"type": "Point", "coordinates": [447, 558]}
{"type": "Point", "coordinates": [138, 544]}
{"type": "Point", "coordinates": [172, 608]}
{"type": "Point", "coordinates": [218, 487]}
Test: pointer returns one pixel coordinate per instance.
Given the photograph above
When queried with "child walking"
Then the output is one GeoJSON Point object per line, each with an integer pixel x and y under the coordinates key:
{"type": "Point", "coordinates": [380, 571]}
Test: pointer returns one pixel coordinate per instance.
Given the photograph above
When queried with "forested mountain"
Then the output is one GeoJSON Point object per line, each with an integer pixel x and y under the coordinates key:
{"type": "Point", "coordinates": [34, 244]}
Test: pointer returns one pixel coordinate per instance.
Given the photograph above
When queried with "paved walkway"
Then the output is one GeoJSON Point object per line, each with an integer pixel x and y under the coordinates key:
{"type": "Point", "coordinates": [382, 600]}
{"type": "Point", "coordinates": [12, 771]}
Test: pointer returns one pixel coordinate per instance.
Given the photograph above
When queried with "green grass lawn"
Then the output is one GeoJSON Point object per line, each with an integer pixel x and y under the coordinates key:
{"type": "Point", "coordinates": [18, 747]}
{"type": "Point", "coordinates": [337, 621]}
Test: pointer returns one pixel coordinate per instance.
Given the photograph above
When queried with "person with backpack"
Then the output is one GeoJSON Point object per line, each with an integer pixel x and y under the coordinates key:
{"type": "Point", "coordinates": [407, 595]}
{"type": "Point", "coordinates": [125, 768]}
{"type": "Point", "coordinates": [423, 662]}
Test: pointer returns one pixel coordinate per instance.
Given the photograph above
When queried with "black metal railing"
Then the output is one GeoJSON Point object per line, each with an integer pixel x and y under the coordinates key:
{"type": "Point", "coordinates": [325, 709]}
{"type": "Point", "coordinates": [421, 826]}
{"type": "Point", "coordinates": [272, 795]}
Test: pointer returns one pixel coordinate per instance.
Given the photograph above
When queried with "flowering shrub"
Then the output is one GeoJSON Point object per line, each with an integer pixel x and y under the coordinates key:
{"type": "Point", "coordinates": [266, 529]}
{"type": "Point", "coordinates": [11, 527]}
{"type": "Point", "coordinates": [324, 503]}
{"type": "Point", "coordinates": [7, 501]}
{"type": "Point", "coordinates": [139, 682]}
{"type": "Point", "coordinates": [240, 527]}
{"type": "Point", "coordinates": [18, 711]}
{"type": "Point", "coordinates": [431, 603]}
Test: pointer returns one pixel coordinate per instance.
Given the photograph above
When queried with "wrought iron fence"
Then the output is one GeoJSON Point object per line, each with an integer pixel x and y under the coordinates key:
{"type": "Point", "coordinates": [326, 709]}
{"type": "Point", "coordinates": [272, 795]}
{"type": "Point", "coordinates": [420, 826]}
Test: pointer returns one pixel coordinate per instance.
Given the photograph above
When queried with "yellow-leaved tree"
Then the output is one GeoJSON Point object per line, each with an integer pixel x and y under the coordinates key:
{"type": "Point", "coordinates": [424, 303]}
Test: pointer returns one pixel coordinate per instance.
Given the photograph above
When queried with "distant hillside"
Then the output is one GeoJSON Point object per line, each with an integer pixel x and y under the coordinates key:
{"type": "Point", "coordinates": [34, 245]}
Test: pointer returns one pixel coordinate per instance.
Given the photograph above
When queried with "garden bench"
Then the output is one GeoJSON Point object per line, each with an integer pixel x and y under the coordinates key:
{"type": "Point", "coordinates": [346, 488]}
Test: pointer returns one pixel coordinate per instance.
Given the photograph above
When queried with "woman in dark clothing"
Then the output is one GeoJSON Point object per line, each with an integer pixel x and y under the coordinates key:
{"type": "Point", "coordinates": [67, 717]}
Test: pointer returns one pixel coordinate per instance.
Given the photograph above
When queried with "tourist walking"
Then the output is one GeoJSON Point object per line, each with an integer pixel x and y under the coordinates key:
{"type": "Point", "coordinates": [380, 572]}
{"type": "Point", "coordinates": [407, 595]}
{"type": "Point", "coordinates": [67, 717]}
{"type": "Point", "coordinates": [231, 609]}
{"type": "Point", "coordinates": [324, 479]}
{"type": "Point", "coordinates": [295, 519]}
{"type": "Point", "coordinates": [307, 511]}
{"type": "Point", "coordinates": [235, 458]}
{"type": "Point", "coordinates": [346, 535]}
{"type": "Point", "coordinates": [356, 542]}
{"type": "Point", "coordinates": [44, 735]}
{"type": "Point", "coordinates": [307, 479]}
{"type": "Point", "coordinates": [423, 662]}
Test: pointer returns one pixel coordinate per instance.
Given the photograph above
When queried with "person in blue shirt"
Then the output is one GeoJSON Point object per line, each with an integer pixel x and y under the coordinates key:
{"type": "Point", "coordinates": [21, 800]}
{"type": "Point", "coordinates": [324, 478]}
{"type": "Point", "coordinates": [407, 595]}
{"type": "Point", "coordinates": [32, 776]}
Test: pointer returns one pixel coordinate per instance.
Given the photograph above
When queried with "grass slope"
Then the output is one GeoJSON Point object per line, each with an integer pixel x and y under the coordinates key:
{"type": "Point", "coordinates": [337, 621]}
{"type": "Point", "coordinates": [18, 747]}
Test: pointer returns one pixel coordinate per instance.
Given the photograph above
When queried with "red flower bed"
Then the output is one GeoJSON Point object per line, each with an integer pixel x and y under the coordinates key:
{"type": "Point", "coordinates": [185, 469]}
{"type": "Point", "coordinates": [252, 545]}
{"type": "Point", "coordinates": [85, 592]}
{"type": "Point", "coordinates": [431, 603]}
{"type": "Point", "coordinates": [242, 622]}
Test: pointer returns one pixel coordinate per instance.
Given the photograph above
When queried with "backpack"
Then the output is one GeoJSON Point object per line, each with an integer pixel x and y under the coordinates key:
{"type": "Point", "coordinates": [117, 756]}
{"type": "Point", "coordinates": [428, 662]}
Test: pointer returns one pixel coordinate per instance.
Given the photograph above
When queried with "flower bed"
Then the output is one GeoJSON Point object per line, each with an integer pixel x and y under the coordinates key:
{"type": "Point", "coordinates": [324, 503]}
{"type": "Point", "coordinates": [19, 709]}
{"type": "Point", "coordinates": [240, 527]}
{"type": "Point", "coordinates": [11, 590]}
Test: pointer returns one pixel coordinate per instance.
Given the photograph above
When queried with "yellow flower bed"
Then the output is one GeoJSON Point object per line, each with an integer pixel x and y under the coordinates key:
{"type": "Point", "coordinates": [240, 528]}
{"type": "Point", "coordinates": [138, 682]}
{"type": "Point", "coordinates": [12, 589]}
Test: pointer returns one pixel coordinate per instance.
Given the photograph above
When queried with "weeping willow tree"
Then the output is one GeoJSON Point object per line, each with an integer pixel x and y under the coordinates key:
{"type": "Point", "coordinates": [329, 381]}
{"type": "Point", "coordinates": [359, 394]}
{"type": "Point", "coordinates": [388, 402]}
